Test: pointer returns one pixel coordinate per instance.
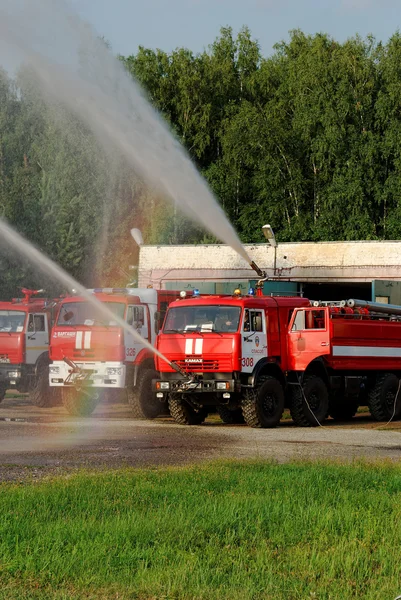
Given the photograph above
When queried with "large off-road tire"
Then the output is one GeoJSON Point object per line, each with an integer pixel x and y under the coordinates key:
{"type": "Point", "coordinates": [383, 395]}
{"type": "Point", "coordinates": [263, 406]}
{"type": "Point", "coordinates": [56, 396]}
{"type": "Point", "coordinates": [115, 396]}
{"type": "Point", "coordinates": [3, 390]}
{"type": "Point", "coordinates": [42, 394]}
{"type": "Point", "coordinates": [79, 402]}
{"type": "Point", "coordinates": [341, 407]}
{"type": "Point", "coordinates": [142, 399]}
{"type": "Point", "coordinates": [309, 402]}
{"type": "Point", "coordinates": [230, 416]}
{"type": "Point", "coordinates": [183, 413]}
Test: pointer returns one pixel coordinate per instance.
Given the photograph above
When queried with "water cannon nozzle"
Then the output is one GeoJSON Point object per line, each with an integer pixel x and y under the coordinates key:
{"type": "Point", "coordinates": [174, 366]}
{"type": "Point", "coordinates": [258, 271]}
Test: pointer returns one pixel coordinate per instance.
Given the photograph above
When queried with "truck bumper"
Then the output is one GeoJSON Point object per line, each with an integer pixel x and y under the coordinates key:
{"type": "Point", "coordinates": [187, 386]}
{"type": "Point", "coordinates": [98, 375]}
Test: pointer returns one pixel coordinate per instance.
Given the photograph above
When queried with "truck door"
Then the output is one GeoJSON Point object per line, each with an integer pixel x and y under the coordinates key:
{"type": "Point", "coordinates": [308, 337]}
{"type": "Point", "coordinates": [254, 338]}
{"type": "Point", "coordinates": [37, 337]}
{"type": "Point", "coordinates": [137, 317]}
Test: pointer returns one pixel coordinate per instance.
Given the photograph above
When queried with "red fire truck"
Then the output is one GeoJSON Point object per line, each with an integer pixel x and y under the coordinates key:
{"type": "Point", "coordinates": [25, 325]}
{"type": "Point", "coordinates": [252, 356]}
{"type": "Point", "coordinates": [92, 357]}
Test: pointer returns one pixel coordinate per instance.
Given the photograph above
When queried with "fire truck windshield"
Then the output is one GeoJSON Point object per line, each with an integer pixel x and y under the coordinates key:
{"type": "Point", "coordinates": [204, 319]}
{"type": "Point", "coordinates": [12, 321]}
{"type": "Point", "coordinates": [83, 313]}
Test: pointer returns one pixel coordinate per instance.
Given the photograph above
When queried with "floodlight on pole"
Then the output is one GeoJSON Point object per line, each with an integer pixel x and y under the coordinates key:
{"type": "Point", "coordinates": [137, 235]}
{"type": "Point", "coordinates": [269, 235]}
{"type": "Point", "coordinates": [271, 238]}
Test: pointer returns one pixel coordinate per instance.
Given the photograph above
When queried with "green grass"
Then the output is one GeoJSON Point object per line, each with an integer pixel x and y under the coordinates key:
{"type": "Point", "coordinates": [225, 530]}
{"type": "Point", "coordinates": [14, 394]}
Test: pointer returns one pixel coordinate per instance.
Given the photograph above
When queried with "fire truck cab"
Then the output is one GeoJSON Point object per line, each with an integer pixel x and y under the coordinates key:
{"type": "Point", "coordinates": [25, 325]}
{"type": "Point", "coordinates": [229, 346]}
{"type": "Point", "coordinates": [92, 357]}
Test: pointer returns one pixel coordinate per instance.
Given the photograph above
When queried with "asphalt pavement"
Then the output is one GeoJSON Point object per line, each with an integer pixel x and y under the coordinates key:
{"type": "Point", "coordinates": [38, 442]}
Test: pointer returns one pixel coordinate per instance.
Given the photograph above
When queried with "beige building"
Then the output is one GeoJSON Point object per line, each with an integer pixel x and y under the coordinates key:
{"type": "Point", "coordinates": [322, 270]}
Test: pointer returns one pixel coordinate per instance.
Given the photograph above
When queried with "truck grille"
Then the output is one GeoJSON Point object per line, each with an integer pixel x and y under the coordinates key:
{"type": "Point", "coordinates": [214, 364]}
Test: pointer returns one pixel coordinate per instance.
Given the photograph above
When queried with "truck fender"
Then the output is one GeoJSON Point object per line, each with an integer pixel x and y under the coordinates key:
{"type": "Point", "coordinates": [42, 361]}
{"type": "Point", "coordinates": [144, 355]}
{"type": "Point", "coordinates": [144, 360]}
{"type": "Point", "coordinates": [316, 367]}
{"type": "Point", "coordinates": [270, 367]}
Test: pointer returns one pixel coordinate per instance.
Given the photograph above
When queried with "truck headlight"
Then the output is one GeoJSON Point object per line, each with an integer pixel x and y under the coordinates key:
{"type": "Point", "coordinates": [114, 370]}
{"type": "Point", "coordinates": [13, 374]}
{"type": "Point", "coordinates": [222, 385]}
{"type": "Point", "coordinates": [54, 370]}
{"type": "Point", "coordinates": [162, 385]}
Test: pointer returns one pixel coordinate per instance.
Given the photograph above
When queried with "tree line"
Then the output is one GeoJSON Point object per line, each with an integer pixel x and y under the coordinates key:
{"type": "Point", "coordinates": [307, 139]}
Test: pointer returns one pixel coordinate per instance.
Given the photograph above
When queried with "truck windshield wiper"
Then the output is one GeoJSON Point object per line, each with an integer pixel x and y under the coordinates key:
{"type": "Point", "coordinates": [174, 331]}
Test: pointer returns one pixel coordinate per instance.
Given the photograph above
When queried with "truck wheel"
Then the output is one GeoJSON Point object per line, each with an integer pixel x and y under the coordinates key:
{"type": "Point", "coordinates": [382, 397]}
{"type": "Point", "coordinates": [142, 398]}
{"type": "Point", "coordinates": [342, 409]}
{"type": "Point", "coordinates": [230, 416]}
{"type": "Point", "coordinates": [183, 413]}
{"type": "Point", "coordinates": [42, 394]}
{"type": "Point", "coordinates": [56, 396]}
{"type": "Point", "coordinates": [79, 403]}
{"type": "Point", "coordinates": [309, 403]}
{"type": "Point", "coordinates": [263, 406]}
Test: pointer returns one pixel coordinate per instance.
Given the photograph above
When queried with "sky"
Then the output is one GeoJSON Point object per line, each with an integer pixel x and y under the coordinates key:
{"type": "Point", "coordinates": [194, 24]}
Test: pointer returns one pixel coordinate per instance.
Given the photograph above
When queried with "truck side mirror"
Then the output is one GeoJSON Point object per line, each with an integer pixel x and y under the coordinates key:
{"type": "Point", "coordinates": [158, 323]}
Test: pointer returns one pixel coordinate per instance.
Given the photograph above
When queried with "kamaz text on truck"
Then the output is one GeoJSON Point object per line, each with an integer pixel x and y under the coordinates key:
{"type": "Point", "coordinates": [25, 325]}
{"type": "Point", "coordinates": [252, 356]}
{"type": "Point", "coordinates": [92, 357]}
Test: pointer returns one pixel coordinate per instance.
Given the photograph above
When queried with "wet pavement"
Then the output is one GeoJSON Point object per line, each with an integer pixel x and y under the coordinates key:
{"type": "Point", "coordinates": [38, 442]}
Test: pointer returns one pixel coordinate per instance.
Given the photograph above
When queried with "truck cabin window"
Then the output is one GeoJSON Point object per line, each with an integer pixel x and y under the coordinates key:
{"type": "Point", "coordinates": [136, 316]}
{"type": "Point", "coordinates": [36, 323]}
{"type": "Point", "coordinates": [83, 313]}
{"type": "Point", "coordinates": [309, 319]}
{"type": "Point", "coordinates": [256, 320]}
{"type": "Point", "coordinates": [203, 319]}
{"type": "Point", "coordinates": [253, 320]}
{"type": "Point", "coordinates": [12, 321]}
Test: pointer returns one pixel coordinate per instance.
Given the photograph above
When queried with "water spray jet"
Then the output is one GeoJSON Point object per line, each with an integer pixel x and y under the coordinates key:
{"type": "Point", "coordinates": [76, 69]}
{"type": "Point", "coordinates": [45, 264]}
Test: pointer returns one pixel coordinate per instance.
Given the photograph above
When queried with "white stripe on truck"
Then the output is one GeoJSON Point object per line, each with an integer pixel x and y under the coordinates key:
{"type": "Point", "coordinates": [87, 340]}
{"type": "Point", "coordinates": [78, 340]}
{"type": "Point", "coordinates": [366, 351]}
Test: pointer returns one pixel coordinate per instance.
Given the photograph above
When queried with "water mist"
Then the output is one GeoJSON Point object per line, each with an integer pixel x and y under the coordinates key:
{"type": "Point", "coordinates": [74, 67]}
{"type": "Point", "coordinates": [91, 431]}
{"type": "Point", "coordinates": [50, 268]}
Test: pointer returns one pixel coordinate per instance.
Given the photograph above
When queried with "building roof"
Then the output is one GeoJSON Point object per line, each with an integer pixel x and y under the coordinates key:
{"type": "Point", "coordinates": [304, 261]}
